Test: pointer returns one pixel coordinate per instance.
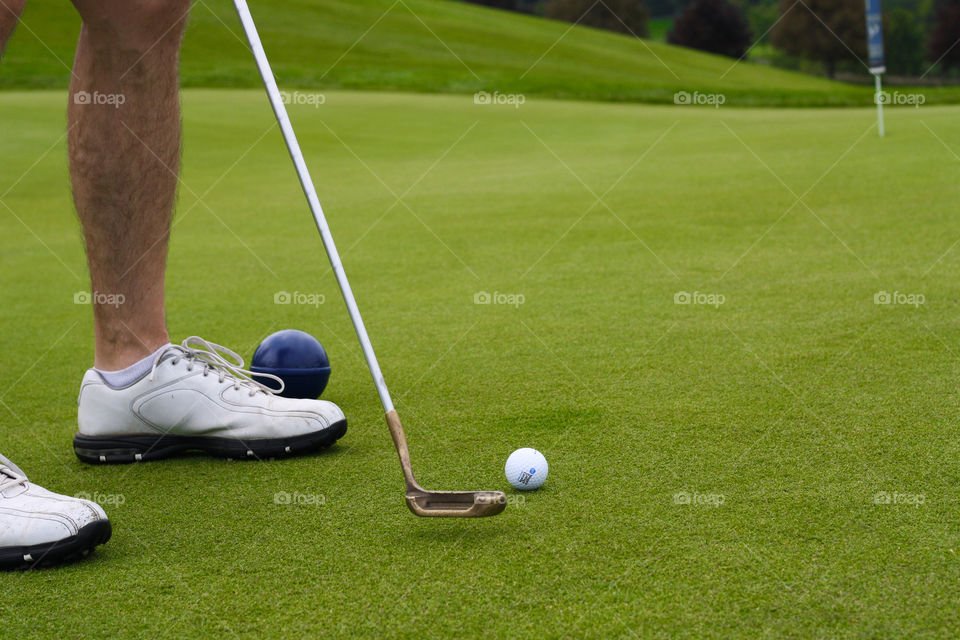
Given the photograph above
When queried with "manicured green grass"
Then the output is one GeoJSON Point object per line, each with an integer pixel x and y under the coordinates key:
{"type": "Point", "coordinates": [432, 46]}
{"type": "Point", "coordinates": [793, 403]}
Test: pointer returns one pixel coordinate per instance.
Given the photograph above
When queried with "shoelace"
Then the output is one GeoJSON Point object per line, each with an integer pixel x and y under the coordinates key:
{"type": "Point", "coordinates": [10, 475]}
{"type": "Point", "coordinates": [213, 358]}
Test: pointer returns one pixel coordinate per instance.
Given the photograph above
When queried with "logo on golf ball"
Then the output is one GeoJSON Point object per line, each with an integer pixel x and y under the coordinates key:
{"type": "Point", "coordinates": [526, 469]}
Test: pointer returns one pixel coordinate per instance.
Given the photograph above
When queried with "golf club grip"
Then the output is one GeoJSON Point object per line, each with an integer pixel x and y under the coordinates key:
{"type": "Point", "coordinates": [400, 441]}
{"type": "Point", "coordinates": [296, 155]}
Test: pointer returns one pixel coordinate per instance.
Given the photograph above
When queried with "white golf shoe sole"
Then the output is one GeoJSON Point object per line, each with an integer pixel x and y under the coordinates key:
{"type": "Point", "coordinates": [61, 551]}
{"type": "Point", "coordinates": [145, 447]}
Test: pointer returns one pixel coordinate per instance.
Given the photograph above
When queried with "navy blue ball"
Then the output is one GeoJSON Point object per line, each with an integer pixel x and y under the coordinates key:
{"type": "Point", "coordinates": [295, 357]}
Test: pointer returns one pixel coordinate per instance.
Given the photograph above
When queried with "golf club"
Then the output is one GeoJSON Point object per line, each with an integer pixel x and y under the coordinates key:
{"type": "Point", "coordinates": [420, 501]}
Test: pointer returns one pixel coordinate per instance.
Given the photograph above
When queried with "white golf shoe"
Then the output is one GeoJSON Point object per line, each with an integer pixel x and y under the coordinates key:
{"type": "Point", "coordinates": [194, 398]}
{"type": "Point", "coordinates": [39, 527]}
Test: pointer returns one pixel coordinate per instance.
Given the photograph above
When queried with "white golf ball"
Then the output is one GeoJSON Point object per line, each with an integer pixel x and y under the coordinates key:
{"type": "Point", "coordinates": [526, 469]}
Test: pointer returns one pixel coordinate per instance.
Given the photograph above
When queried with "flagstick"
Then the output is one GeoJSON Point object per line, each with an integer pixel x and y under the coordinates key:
{"type": "Point", "coordinates": [879, 101]}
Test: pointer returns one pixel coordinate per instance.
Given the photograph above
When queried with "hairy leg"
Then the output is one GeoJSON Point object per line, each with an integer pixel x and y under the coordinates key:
{"type": "Point", "coordinates": [124, 145]}
{"type": "Point", "coordinates": [10, 11]}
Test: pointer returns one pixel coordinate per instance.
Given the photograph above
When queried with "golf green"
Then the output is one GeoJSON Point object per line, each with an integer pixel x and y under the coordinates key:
{"type": "Point", "coordinates": [732, 332]}
{"type": "Point", "coordinates": [437, 46]}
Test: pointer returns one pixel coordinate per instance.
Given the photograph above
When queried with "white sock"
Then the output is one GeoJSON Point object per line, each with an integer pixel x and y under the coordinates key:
{"type": "Point", "coordinates": [126, 377]}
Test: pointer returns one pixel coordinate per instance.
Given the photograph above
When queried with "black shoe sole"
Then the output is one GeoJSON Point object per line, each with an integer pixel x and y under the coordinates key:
{"type": "Point", "coordinates": [144, 448]}
{"type": "Point", "coordinates": [59, 552]}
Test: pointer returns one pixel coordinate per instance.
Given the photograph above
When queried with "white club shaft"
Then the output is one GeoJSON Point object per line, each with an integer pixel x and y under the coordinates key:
{"type": "Point", "coordinates": [280, 110]}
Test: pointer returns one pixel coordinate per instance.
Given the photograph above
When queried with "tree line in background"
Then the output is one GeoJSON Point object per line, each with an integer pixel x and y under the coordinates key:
{"type": "Point", "coordinates": [921, 37]}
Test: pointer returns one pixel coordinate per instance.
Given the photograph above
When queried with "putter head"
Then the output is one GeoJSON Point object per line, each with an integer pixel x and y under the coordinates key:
{"type": "Point", "coordinates": [441, 504]}
{"type": "Point", "coordinates": [455, 504]}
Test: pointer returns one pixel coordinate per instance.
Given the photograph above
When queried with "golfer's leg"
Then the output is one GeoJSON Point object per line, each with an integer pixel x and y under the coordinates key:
{"type": "Point", "coordinates": [10, 11]}
{"type": "Point", "coordinates": [124, 141]}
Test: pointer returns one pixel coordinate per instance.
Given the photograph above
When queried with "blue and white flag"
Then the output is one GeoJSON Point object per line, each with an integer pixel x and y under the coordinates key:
{"type": "Point", "coordinates": [875, 36]}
